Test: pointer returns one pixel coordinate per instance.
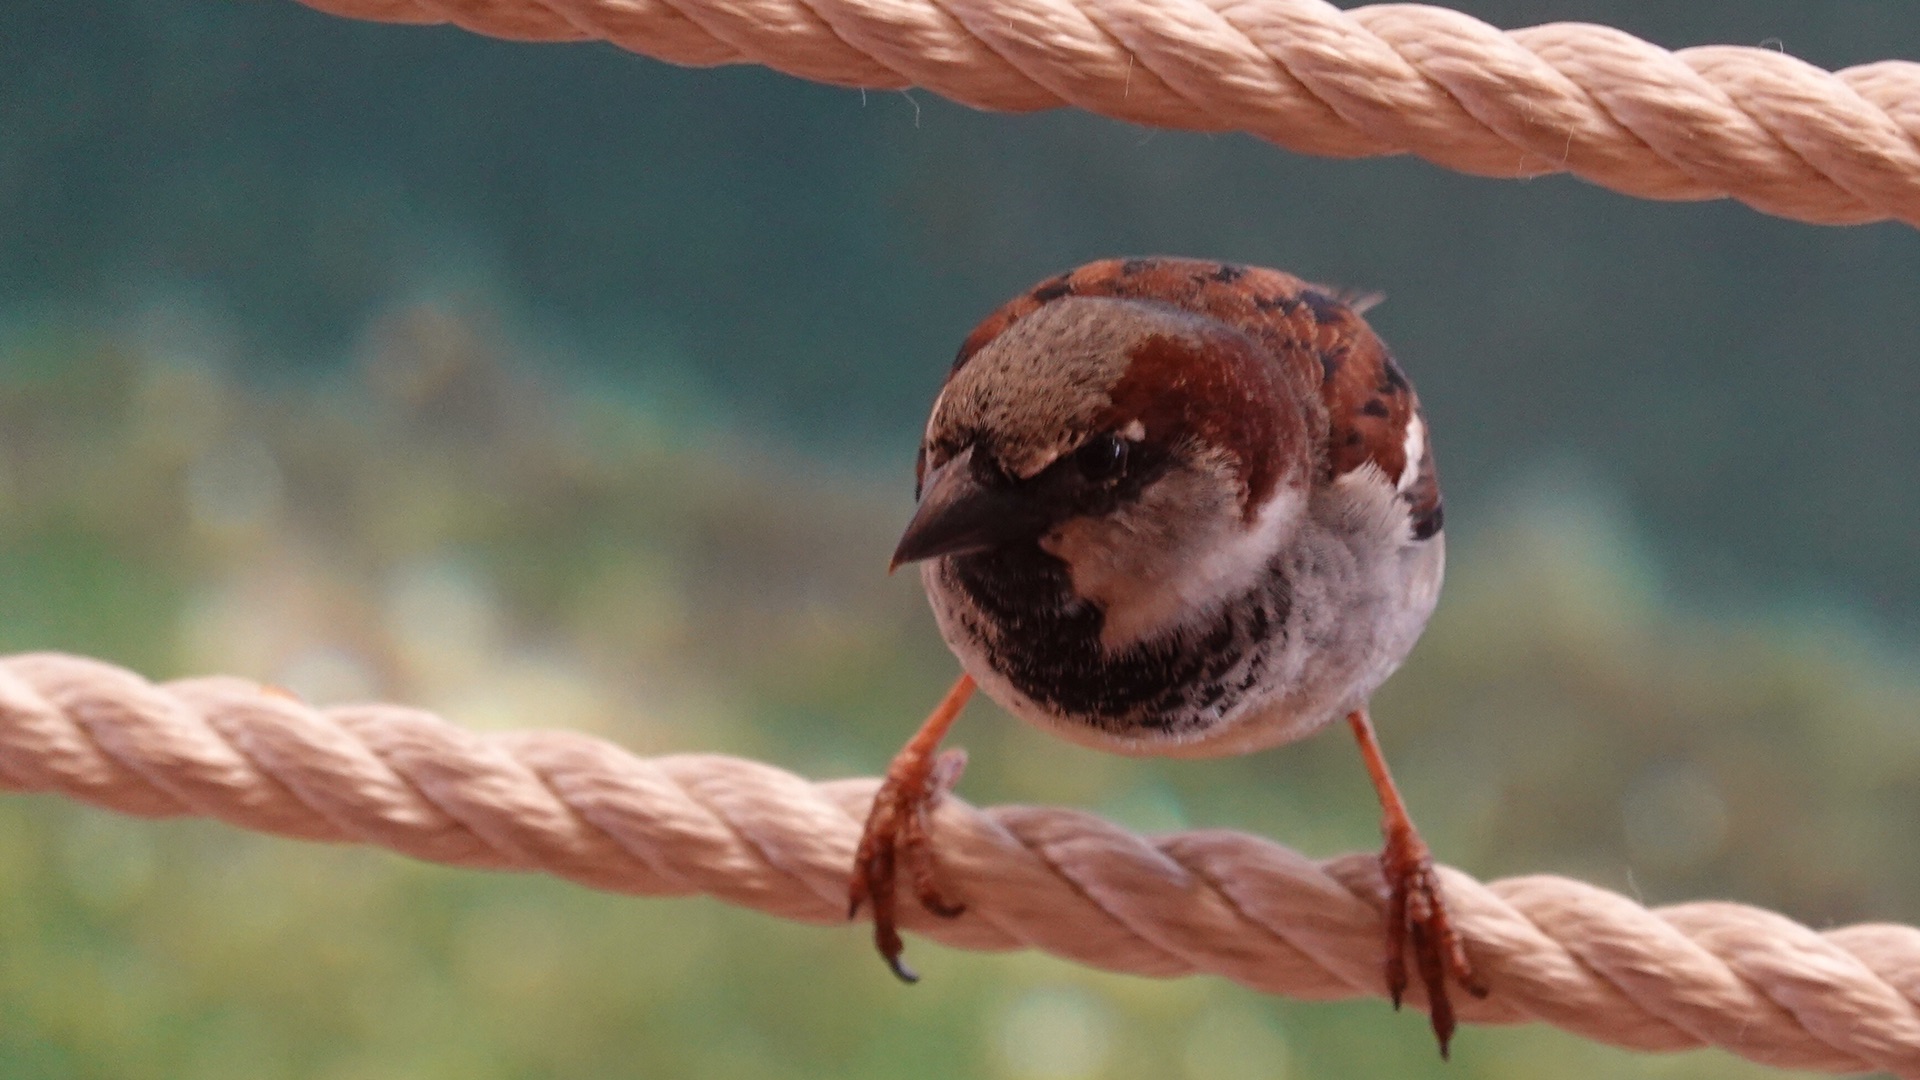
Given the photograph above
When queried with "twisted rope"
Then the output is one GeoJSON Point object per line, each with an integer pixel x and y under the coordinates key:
{"type": "Point", "coordinates": [1224, 903]}
{"type": "Point", "coordinates": [1774, 132]}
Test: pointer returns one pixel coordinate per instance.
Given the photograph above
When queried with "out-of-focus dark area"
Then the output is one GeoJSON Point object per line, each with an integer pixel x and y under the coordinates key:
{"type": "Point", "coordinates": [552, 386]}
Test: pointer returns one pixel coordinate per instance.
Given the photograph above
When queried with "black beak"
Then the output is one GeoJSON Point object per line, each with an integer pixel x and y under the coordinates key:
{"type": "Point", "coordinates": [959, 515]}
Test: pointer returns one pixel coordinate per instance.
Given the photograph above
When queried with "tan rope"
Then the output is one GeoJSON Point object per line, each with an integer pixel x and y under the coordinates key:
{"type": "Point", "coordinates": [1582, 958]}
{"type": "Point", "coordinates": [1767, 129]}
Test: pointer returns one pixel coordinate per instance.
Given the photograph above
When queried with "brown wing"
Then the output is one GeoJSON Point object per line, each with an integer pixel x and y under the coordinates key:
{"type": "Point", "coordinates": [1329, 352]}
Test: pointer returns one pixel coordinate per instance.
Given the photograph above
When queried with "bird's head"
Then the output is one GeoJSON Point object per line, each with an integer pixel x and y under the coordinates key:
{"type": "Point", "coordinates": [1162, 456]}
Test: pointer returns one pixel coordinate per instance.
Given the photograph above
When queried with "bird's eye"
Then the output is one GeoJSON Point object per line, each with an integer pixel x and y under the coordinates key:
{"type": "Point", "coordinates": [1102, 458]}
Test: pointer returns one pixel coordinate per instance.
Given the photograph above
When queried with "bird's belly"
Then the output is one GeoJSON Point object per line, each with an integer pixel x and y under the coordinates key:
{"type": "Point", "coordinates": [1278, 665]}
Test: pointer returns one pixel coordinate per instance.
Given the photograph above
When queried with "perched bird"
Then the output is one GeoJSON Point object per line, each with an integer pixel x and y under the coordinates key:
{"type": "Point", "coordinates": [1180, 508]}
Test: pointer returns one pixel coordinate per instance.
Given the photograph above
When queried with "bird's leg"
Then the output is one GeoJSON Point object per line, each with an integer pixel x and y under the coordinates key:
{"type": "Point", "coordinates": [1416, 910]}
{"type": "Point", "coordinates": [899, 829]}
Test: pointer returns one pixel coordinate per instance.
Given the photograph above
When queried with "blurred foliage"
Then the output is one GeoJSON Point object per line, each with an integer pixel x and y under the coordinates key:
{"type": "Point", "coordinates": [552, 386]}
{"type": "Point", "coordinates": [447, 525]}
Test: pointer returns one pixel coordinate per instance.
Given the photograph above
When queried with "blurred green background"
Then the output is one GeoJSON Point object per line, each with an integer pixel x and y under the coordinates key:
{"type": "Point", "coordinates": [551, 386]}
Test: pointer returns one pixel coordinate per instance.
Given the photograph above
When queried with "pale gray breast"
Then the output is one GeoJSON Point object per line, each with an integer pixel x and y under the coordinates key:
{"type": "Point", "coordinates": [1311, 640]}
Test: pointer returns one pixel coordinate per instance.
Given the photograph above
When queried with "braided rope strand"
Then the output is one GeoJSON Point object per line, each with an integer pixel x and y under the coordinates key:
{"type": "Point", "coordinates": [1779, 134]}
{"type": "Point", "coordinates": [1066, 882]}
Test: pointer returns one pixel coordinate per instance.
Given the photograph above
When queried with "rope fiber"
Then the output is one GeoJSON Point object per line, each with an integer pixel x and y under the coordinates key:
{"type": "Point", "coordinates": [1772, 131]}
{"type": "Point", "coordinates": [1217, 902]}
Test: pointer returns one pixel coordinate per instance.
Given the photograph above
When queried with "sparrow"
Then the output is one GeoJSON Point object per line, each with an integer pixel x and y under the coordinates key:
{"type": "Point", "coordinates": [1180, 508]}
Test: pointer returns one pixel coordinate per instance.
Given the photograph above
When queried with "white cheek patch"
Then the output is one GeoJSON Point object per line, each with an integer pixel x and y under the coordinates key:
{"type": "Point", "coordinates": [1416, 448]}
{"type": "Point", "coordinates": [1172, 564]}
{"type": "Point", "coordinates": [1231, 566]}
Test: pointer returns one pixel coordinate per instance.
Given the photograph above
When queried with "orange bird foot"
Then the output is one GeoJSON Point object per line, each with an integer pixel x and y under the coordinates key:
{"type": "Point", "coordinates": [1418, 921]}
{"type": "Point", "coordinates": [899, 831]}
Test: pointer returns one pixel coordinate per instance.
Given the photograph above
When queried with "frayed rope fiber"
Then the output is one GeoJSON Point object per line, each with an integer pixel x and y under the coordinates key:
{"type": "Point", "coordinates": [1223, 903]}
